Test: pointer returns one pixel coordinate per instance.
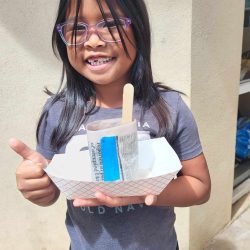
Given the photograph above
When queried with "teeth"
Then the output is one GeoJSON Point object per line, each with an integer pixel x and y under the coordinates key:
{"type": "Point", "coordinates": [99, 61]}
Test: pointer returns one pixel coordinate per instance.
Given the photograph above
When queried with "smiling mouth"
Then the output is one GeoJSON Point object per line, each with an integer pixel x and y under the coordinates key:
{"type": "Point", "coordinates": [99, 61]}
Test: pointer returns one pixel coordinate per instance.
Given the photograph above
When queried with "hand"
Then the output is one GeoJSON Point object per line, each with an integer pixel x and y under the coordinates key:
{"type": "Point", "coordinates": [102, 199]}
{"type": "Point", "coordinates": [32, 181]}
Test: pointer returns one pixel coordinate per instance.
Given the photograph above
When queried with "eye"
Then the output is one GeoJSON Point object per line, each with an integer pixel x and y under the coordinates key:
{"type": "Point", "coordinates": [111, 23]}
{"type": "Point", "coordinates": [69, 29]}
{"type": "Point", "coordinates": [79, 29]}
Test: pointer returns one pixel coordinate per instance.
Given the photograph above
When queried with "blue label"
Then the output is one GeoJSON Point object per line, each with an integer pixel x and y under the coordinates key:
{"type": "Point", "coordinates": [110, 161]}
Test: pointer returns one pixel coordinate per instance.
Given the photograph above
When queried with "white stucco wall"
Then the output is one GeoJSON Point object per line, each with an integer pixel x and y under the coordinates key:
{"type": "Point", "coordinates": [171, 42]}
{"type": "Point", "coordinates": [26, 66]}
{"type": "Point", "coordinates": [196, 49]}
{"type": "Point", "coordinates": [198, 52]}
{"type": "Point", "coordinates": [217, 28]}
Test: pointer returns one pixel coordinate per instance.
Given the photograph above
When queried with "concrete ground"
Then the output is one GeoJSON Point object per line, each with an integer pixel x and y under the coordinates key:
{"type": "Point", "coordinates": [236, 235]}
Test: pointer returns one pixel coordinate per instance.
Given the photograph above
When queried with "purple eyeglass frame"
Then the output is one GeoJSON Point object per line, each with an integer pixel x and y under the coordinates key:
{"type": "Point", "coordinates": [59, 28]}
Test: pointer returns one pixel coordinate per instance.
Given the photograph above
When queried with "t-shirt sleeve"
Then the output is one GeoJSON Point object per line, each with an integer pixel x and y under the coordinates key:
{"type": "Point", "coordinates": [44, 134]}
{"type": "Point", "coordinates": [186, 141]}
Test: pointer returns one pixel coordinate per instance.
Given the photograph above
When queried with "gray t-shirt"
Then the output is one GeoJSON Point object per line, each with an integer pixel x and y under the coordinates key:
{"type": "Point", "coordinates": [132, 226]}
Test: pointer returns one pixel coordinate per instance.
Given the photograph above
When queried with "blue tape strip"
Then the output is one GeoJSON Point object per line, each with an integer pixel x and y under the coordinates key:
{"type": "Point", "coordinates": [110, 159]}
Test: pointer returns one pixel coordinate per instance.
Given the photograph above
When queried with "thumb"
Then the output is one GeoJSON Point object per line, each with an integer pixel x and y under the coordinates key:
{"type": "Point", "coordinates": [27, 153]}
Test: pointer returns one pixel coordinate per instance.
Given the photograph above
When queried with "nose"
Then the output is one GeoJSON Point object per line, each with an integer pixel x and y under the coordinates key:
{"type": "Point", "coordinates": [93, 40]}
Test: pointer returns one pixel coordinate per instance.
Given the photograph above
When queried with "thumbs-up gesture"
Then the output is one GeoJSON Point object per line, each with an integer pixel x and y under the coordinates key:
{"type": "Point", "coordinates": [32, 181]}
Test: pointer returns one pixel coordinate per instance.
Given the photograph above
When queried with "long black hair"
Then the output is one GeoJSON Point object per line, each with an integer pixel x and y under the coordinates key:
{"type": "Point", "coordinates": [79, 91]}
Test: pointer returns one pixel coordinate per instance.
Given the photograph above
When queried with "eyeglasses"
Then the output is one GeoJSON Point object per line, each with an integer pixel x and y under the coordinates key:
{"type": "Point", "coordinates": [108, 31]}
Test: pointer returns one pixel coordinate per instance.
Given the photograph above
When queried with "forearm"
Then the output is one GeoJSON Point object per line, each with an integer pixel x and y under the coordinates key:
{"type": "Point", "coordinates": [184, 191]}
{"type": "Point", "coordinates": [192, 188]}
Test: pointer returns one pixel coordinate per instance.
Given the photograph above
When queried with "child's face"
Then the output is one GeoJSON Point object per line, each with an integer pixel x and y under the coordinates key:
{"type": "Point", "coordinates": [111, 65]}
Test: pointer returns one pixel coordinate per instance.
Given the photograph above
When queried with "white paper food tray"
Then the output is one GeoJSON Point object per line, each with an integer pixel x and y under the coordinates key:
{"type": "Point", "coordinates": [158, 165]}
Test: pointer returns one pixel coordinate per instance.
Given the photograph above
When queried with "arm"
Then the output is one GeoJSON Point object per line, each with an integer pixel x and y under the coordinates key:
{"type": "Point", "coordinates": [32, 181]}
{"type": "Point", "coordinates": [191, 188]}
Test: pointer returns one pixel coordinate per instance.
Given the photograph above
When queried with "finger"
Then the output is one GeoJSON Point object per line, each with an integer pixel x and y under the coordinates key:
{"type": "Point", "coordinates": [86, 202]}
{"type": "Point", "coordinates": [108, 201]}
{"type": "Point", "coordinates": [34, 184]}
{"type": "Point", "coordinates": [118, 201]}
{"type": "Point", "coordinates": [150, 199]}
{"type": "Point", "coordinates": [29, 170]}
{"type": "Point", "coordinates": [20, 148]}
{"type": "Point", "coordinates": [38, 194]}
{"type": "Point", "coordinates": [44, 201]}
{"type": "Point", "coordinates": [24, 151]}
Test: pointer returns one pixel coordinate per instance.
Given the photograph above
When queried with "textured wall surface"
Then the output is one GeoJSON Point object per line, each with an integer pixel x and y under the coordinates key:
{"type": "Point", "coordinates": [198, 51]}
{"type": "Point", "coordinates": [215, 73]}
{"type": "Point", "coordinates": [171, 40]}
{"type": "Point", "coordinates": [27, 65]}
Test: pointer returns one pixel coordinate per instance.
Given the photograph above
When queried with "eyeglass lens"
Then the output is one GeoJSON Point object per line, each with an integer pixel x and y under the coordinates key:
{"type": "Point", "coordinates": [107, 31]}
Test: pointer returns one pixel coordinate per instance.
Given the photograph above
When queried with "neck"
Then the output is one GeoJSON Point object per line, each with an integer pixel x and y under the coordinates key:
{"type": "Point", "coordinates": [109, 96]}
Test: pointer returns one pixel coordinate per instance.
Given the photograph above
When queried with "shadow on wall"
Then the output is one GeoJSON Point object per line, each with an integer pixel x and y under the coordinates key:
{"type": "Point", "coordinates": [219, 244]}
{"type": "Point", "coordinates": [30, 23]}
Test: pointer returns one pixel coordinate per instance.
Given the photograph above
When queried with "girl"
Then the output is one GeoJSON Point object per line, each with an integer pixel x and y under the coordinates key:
{"type": "Point", "coordinates": [103, 45]}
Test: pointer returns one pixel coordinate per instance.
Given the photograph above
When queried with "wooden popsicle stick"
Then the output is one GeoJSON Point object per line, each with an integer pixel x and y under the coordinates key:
{"type": "Point", "coordinates": [127, 103]}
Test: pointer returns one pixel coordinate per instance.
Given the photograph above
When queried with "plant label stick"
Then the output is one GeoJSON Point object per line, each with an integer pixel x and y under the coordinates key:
{"type": "Point", "coordinates": [127, 105]}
